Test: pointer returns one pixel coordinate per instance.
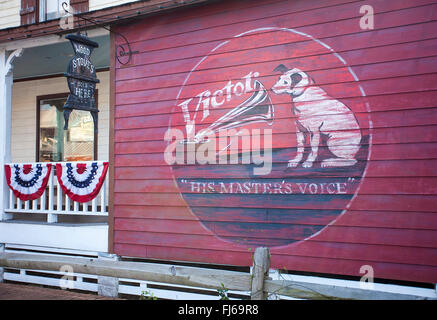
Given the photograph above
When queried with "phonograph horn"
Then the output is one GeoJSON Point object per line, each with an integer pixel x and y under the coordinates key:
{"type": "Point", "coordinates": [257, 108]}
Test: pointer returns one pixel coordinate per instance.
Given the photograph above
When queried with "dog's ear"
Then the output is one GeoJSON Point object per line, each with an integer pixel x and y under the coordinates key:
{"type": "Point", "coordinates": [295, 78]}
{"type": "Point", "coordinates": [281, 68]}
{"type": "Point", "coordinates": [312, 80]}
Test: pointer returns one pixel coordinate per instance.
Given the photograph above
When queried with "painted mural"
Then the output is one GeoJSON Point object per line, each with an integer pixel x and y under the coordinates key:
{"type": "Point", "coordinates": [271, 151]}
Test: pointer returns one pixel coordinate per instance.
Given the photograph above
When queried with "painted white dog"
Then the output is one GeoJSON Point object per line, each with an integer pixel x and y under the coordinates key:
{"type": "Point", "coordinates": [318, 113]}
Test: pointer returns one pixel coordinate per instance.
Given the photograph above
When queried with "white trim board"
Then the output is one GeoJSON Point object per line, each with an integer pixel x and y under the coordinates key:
{"type": "Point", "coordinates": [93, 237]}
{"type": "Point", "coordinates": [46, 40]}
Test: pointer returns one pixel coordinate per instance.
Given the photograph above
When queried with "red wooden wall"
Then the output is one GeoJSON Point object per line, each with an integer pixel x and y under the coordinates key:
{"type": "Point", "coordinates": [391, 224]}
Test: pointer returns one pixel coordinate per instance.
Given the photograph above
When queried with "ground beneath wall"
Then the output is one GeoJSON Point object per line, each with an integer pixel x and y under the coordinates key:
{"type": "Point", "coordinates": [12, 291]}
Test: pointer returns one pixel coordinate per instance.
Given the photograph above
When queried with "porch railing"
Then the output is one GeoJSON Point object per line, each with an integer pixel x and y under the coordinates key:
{"type": "Point", "coordinates": [54, 202]}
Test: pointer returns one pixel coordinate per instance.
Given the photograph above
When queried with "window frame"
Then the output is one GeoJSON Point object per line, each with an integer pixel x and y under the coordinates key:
{"type": "Point", "coordinates": [42, 8]}
{"type": "Point", "coordinates": [38, 121]}
{"type": "Point", "coordinates": [30, 10]}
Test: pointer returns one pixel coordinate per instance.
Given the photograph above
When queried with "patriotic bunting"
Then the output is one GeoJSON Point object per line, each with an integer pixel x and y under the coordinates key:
{"type": "Point", "coordinates": [28, 181]}
{"type": "Point", "coordinates": [81, 182]}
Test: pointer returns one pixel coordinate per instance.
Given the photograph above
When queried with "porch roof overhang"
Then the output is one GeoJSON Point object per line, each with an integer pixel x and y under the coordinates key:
{"type": "Point", "coordinates": [49, 60]}
{"type": "Point", "coordinates": [103, 17]}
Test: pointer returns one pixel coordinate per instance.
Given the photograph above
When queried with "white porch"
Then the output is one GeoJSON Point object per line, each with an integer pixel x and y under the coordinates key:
{"type": "Point", "coordinates": [53, 220]}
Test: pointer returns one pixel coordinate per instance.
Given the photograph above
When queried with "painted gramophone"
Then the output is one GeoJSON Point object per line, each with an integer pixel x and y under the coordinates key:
{"type": "Point", "coordinates": [81, 78]}
{"type": "Point", "coordinates": [257, 108]}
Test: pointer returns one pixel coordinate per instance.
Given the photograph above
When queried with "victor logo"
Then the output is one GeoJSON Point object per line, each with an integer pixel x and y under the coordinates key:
{"type": "Point", "coordinates": [205, 99]}
{"type": "Point", "coordinates": [269, 137]}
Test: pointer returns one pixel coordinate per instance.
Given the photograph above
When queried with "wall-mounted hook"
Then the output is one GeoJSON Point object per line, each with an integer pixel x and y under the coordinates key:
{"type": "Point", "coordinates": [121, 51]}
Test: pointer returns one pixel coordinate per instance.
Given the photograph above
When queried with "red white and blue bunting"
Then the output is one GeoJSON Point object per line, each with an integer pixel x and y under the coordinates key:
{"type": "Point", "coordinates": [81, 182]}
{"type": "Point", "coordinates": [28, 181]}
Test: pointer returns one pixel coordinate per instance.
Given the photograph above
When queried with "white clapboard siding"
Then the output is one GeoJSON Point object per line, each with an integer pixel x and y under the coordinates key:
{"type": "Point", "coordinates": [9, 13]}
{"type": "Point", "coordinates": [101, 4]}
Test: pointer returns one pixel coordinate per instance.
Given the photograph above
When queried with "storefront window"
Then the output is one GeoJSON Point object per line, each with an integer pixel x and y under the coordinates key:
{"type": "Point", "coordinates": [56, 144]}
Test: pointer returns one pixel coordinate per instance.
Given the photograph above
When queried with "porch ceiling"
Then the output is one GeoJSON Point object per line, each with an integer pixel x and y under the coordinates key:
{"type": "Point", "coordinates": [53, 59]}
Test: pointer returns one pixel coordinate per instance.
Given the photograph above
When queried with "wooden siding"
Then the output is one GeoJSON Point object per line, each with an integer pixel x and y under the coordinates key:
{"type": "Point", "coordinates": [391, 224]}
{"type": "Point", "coordinates": [80, 5]}
{"type": "Point", "coordinates": [29, 12]}
{"type": "Point", "coordinates": [9, 13]}
{"type": "Point", "coordinates": [101, 4]}
{"type": "Point", "coordinates": [111, 15]}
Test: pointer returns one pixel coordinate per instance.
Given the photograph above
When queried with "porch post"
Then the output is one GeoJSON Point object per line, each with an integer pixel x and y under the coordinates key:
{"type": "Point", "coordinates": [6, 79]}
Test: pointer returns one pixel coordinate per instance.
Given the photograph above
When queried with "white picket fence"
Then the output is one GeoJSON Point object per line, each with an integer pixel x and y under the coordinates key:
{"type": "Point", "coordinates": [54, 202]}
{"type": "Point", "coordinates": [66, 279]}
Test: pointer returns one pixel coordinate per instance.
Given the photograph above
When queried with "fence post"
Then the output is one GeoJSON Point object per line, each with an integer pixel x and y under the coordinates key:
{"type": "Point", "coordinates": [260, 270]}
{"type": "Point", "coordinates": [107, 286]}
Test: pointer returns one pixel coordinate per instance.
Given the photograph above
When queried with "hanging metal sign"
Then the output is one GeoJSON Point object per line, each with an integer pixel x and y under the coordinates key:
{"type": "Point", "coordinates": [81, 78]}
